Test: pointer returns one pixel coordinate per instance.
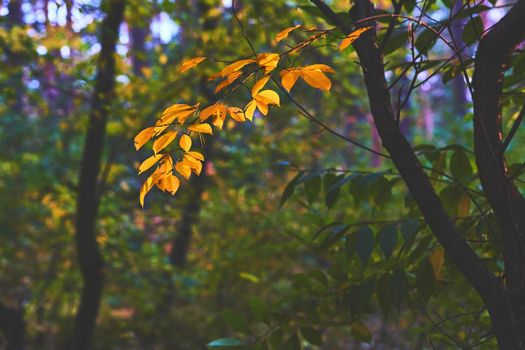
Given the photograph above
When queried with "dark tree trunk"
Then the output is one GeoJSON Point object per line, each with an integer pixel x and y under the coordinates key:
{"type": "Point", "coordinates": [90, 259]}
{"type": "Point", "coordinates": [15, 98]}
{"type": "Point", "coordinates": [495, 297]}
{"type": "Point", "coordinates": [13, 326]}
{"type": "Point", "coordinates": [138, 48]}
{"type": "Point", "coordinates": [503, 196]}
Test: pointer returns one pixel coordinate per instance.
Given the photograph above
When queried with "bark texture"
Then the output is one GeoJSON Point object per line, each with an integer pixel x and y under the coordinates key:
{"type": "Point", "coordinates": [493, 293]}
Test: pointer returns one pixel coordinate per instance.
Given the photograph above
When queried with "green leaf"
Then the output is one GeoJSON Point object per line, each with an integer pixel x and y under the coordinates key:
{"type": "Point", "coordinates": [332, 187]}
{"type": "Point", "coordinates": [425, 282]}
{"type": "Point", "coordinates": [335, 234]}
{"type": "Point", "coordinates": [399, 286]}
{"type": "Point", "coordinates": [235, 320]}
{"type": "Point", "coordinates": [425, 41]}
{"type": "Point", "coordinates": [409, 229]}
{"type": "Point", "coordinates": [312, 187]}
{"type": "Point", "coordinates": [364, 244]}
{"type": "Point", "coordinates": [460, 166]}
{"type": "Point", "coordinates": [225, 343]}
{"type": "Point", "coordinates": [259, 309]}
{"type": "Point", "coordinates": [472, 31]}
{"type": "Point", "coordinates": [290, 188]}
{"type": "Point", "coordinates": [387, 238]}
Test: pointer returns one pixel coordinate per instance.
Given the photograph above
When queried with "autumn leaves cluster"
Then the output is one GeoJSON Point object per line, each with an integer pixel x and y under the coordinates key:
{"type": "Point", "coordinates": [182, 121]}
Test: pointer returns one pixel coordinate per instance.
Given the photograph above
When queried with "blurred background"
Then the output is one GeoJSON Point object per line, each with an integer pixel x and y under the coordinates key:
{"type": "Point", "coordinates": [222, 259]}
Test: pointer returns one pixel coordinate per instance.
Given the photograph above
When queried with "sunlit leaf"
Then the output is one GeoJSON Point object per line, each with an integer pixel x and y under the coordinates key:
{"type": "Point", "coordinates": [259, 85]}
{"type": "Point", "coordinates": [144, 189]}
{"type": "Point", "coordinates": [235, 66]}
{"type": "Point", "coordinates": [149, 162]}
{"type": "Point", "coordinates": [163, 141]}
{"type": "Point", "coordinates": [270, 96]}
{"type": "Point", "coordinates": [289, 78]}
{"type": "Point", "coordinates": [201, 128]}
{"type": "Point", "coordinates": [283, 34]}
{"type": "Point", "coordinates": [250, 110]}
{"type": "Point", "coordinates": [236, 113]}
{"type": "Point", "coordinates": [185, 142]}
{"type": "Point", "coordinates": [316, 79]}
{"type": "Point", "coordinates": [350, 38]}
{"type": "Point", "coordinates": [190, 63]}
{"type": "Point", "coordinates": [184, 169]}
{"type": "Point", "coordinates": [143, 137]}
{"type": "Point", "coordinates": [268, 61]}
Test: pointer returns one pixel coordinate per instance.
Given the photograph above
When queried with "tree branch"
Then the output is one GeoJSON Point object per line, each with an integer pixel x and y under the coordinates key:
{"type": "Point", "coordinates": [466, 260]}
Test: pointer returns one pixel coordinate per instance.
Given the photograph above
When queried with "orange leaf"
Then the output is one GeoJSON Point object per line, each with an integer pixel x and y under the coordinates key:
{"type": "Point", "coordinates": [316, 79]}
{"type": "Point", "coordinates": [149, 162]}
{"type": "Point", "coordinates": [283, 34]}
{"type": "Point", "coordinates": [259, 85]}
{"type": "Point", "coordinates": [289, 78]}
{"type": "Point", "coordinates": [350, 38]}
{"type": "Point", "coordinates": [237, 114]}
{"type": "Point", "coordinates": [235, 66]}
{"type": "Point", "coordinates": [183, 169]}
{"type": "Point", "coordinates": [201, 128]}
{"type": "Point", "coordinates": [185, 142]}
{"type": "Point", "coordinates": [190, 63]}
{"type": "Point", "coordinates": [144, 189]}
{"type": "Point", "coordinates": [143, 137]}
{"type": "Point", "coordinates": [163, 141]}
{"type": "Point", "coordinates": [268, 61]}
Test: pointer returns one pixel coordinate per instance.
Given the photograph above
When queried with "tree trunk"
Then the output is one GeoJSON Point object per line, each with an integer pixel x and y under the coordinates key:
{"type": "Point", "coordinates": [466, 260]}
{"type": "Point", "coordinates": [503, 196]}
{"type": "Point", "coordinates": [90, 259]}
{"type": "Point", "coordinates": [14, 328]}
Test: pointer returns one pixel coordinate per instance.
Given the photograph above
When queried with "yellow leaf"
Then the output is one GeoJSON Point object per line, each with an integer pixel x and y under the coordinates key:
{"type": "Point", "coordinates": [235, 66]}
{"type": "Point", "coordinates": [194, 164]}
{"type": "Point", "coordinates": [190, 63]}
{"type": "Point", "coordinates": [222, 85]}
{"type": "Point", "coordinates": [149, 162]}
{"type": "Point", "coordinates": [250, 110]}
{"type": "Point", "coordinates": [289, 78]}
{"type": "Point", "coordinates": [319, 67]}
{"type": "Point", "coordinates": [178, 107]}
{"type": "Point", "coordinates": [283, 34]}
{"type": "Point", "coordinates": [268, 61]}
{"type": "Point", "coordinates": [350, 38]}
{"type": "Point", "coordinates": [218, 123]}
{"type": "Point", "coordinates": [163, 141]}
{"type": "Point", "coordinates": [143, 137]}
{"type": "Point", "coordinates": [185, 142]}
{"type": "Point", "coordinates": [196, 155]}
{"type": "Point", "coordinates": [201, 128]}
{"type": "Point", "coordinates": [316, 79]}
{"type": "Point", "coordinates": [259, 85]}
{"type": "Point", "coordinates": [437, 260]}
{"type": "Point", "coordinates": [183, 169]}
{"type": "Point", "coordinates": [237, 114]}
{"type": "Point", "coordinates": [144, 189]}
{"type": "Point", "coordinates": [169, 183]}
{"type": "Point", "coordinates": [218, 109]}
{"type": "Point", "coordinates": [270, 96]}
{"type": "Point", "coordinates": [262, 106]}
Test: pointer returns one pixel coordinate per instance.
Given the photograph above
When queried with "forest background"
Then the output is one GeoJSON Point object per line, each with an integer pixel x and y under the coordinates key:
{"type": "Point", "coordinates": [299, 233]}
